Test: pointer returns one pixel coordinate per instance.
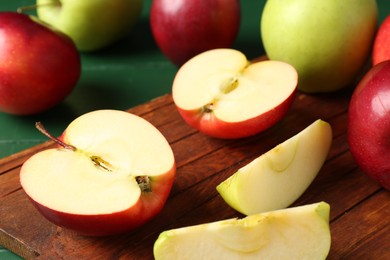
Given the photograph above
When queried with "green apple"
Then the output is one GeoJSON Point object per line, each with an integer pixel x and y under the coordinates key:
{"type": "Point", "coordinates": [296, 233]}
{"type": "Point", "coordinates": [327, 41]}
{"type": "Point", "coordinates": [92, 24]}
{"type": "Point", "coordinates": [280, 176]}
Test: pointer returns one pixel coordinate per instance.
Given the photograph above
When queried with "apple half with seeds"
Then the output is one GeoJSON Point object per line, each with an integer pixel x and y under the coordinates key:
{"type": "Point", "coordinates": [280, 176]}
{"type": "Point", "coordinates": [111, 173]}
{"type": "Point", "coordinates": [223, 95]}
{"type": "Point", "coordinates": [295, 233]}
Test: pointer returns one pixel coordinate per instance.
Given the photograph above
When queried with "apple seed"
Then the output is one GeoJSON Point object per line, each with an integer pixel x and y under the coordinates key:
{"type": "Point", "coordinates": [226, 87]}
{"type": "Point", "coordinates": [229, 85]}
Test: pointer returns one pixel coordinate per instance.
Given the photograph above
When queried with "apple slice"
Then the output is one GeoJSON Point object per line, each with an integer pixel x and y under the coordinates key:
{"type": "Point", "coordinates": [222, 94]}
{"type": "Point", "coordinates": [295, 233]}
{"type": "Point", "coordinates": [280, 176]}
{"type": "Point", "coordinates": [112, 174]}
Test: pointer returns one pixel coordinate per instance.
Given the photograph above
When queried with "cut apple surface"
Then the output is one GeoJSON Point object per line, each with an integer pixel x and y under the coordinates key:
{"type": "Point", "coordinates": [115, 174]}
{"type": "Point", "coordinates": [280, 176]}
{"type": "Point", "coordinates": [222, 94]}
{"type": "Point", "coordinates": [295, 233]}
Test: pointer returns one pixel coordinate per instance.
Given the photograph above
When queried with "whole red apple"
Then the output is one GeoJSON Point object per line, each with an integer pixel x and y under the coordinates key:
{"type": "Point", "coordinates": [381, 47]}
{"type": "Point", "coordinates": [39, 66]}
{"type": "Point", "coordinates": [369, 123]}
{"type": "Point", "coordinates": [184, 28]}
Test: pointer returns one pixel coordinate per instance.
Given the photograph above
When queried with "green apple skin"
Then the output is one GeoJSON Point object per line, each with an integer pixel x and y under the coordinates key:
{"type": "Point", "coordinates": [92, 24]}
{"type": "Point", "coordinates": [296, 233]}
{"type": "Point", "coordinates": [280, 176]}
{"type": "Point", "coordinates": [327, 41]}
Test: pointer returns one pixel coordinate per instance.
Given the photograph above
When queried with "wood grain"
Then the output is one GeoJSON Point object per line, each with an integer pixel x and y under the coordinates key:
{"type": "Point", "coordinates": [360, 208]}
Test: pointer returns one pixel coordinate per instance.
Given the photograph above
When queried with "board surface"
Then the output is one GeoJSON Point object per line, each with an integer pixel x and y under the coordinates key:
{"type": "Point", "coordinates": [360, 208]}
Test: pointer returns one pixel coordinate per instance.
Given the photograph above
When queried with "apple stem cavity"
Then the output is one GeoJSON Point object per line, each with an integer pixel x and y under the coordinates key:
{"type": "Point", "coordinates": [98, 161]}
{"type": "Point", "coordinates": [144, 183]}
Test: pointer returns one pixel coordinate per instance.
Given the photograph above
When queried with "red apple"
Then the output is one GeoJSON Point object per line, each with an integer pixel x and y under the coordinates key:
{"type": "Point", "coordinates": [369, 123]}
{"type": "Point", "coordinates": [381, 46]}
{"type": "Point", "coordinates": [184, 28]}
{"type": "Point", "coordinates": [112, 173]}
{"type": "Point", "coordinates": [222, 94]}
{"type": "Point", "coordinates": [39, 66]}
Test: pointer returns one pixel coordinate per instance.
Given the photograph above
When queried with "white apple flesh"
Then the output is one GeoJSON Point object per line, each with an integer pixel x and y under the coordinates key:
{"type": "Point", "coordinates": [280, 176]}
{"type": "Point", "coordinates": [117, 178]}
{"type": "Point", "coordinates": [295, 233]}
{"type": "Point", "coordinates": [222, 94]}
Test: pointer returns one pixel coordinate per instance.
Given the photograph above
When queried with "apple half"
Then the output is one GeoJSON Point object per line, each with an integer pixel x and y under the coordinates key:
{"type": "Point", "coordinates": [280, 176]}
{"type": "Point", "coordinates": [112, 173]}
{"type": "Point", "coordinates": [295, 233]}
{"type": "Point", "coordinates": [221, 94]}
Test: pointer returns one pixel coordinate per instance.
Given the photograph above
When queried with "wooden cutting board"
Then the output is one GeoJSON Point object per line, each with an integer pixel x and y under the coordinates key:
{"type": "Point", "coordinates": [360, 208]}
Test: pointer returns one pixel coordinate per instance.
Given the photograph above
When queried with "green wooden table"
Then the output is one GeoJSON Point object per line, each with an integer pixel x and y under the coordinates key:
{"type": "Point", "coordinates": [130, 72]}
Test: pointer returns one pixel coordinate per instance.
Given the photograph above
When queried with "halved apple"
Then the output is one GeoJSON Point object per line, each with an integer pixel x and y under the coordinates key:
{"type": "Point", "coordinates": [222, 94]}
{"type": "Point", "coordinates": [295, 233]}
{"type": "Point", "coordinates": [112, 174]}
{"type": "Point", "coordinates": [280, 176]}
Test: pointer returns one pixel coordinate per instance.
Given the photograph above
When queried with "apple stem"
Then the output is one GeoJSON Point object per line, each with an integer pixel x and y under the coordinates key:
{"type": "Point", "coordinates": [24, 9]}
{"type": "Point", "coordinates": [98, 161]}
{"type": "Point", "coordinates": [144, 183]}
{"type": "Point", "coordinates": [43, 130]}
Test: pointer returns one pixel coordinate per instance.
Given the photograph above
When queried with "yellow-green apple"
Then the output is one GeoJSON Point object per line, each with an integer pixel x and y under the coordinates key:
{"type": "Point", "coordinates": [369, 123]}
{"type": "Point", "coordinates": [185, 28]}
{"type": "Point", "coordinates": [327, 41]}
{"type": "Point", "coordinates": [39, 67]}
{"type": "Point", "coordinates": [112, 172]}
{"type": "Point", "coordinates": [296, 233]}
{"type": "Point", "coordinates": [381, 47]}
{"type": "Point", "coordinates": [280, 176]}
{"type": "Point", "coordinates": [222, 94]}
{"type": "Point", "coordinates": [92, 25]}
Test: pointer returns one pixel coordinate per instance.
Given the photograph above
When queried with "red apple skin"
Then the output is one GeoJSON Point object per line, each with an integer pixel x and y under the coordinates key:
{"type": "Point", "coordinates": [39, 67]}
{"type": "Point", "coordinates": [147, 207]}
{"type": "Point", "coordinates": [381, 45]}
{"type": "Point", "coordinates": [185, 28]}
{"type": "Point", "coordinates": [210, 125]}
{"type": "Point", "coordinates": [369, 124]}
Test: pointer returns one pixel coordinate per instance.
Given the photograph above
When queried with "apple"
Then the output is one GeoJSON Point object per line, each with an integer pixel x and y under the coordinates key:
{"type": "Point", "coordinates": [185, 28]}
{"type": "Point", "coordinates": [369, 123]}
{"type": "Point", "coordinates": [296, 233]}
{"type": "Point", "coordinates": [327, 41]}
{"type": "Point", "coordinates": [381, 49]}
{"type": "Point", "coordinates": [280, 176]}
{"type": "Point", "coordinates": [112, 172]}
{"type": "Point", "coordinates": [92, 25]}
{"type": "Point", "coordinates": [223, 95]}
{"type": "Point", "coordinates": [39, 67]}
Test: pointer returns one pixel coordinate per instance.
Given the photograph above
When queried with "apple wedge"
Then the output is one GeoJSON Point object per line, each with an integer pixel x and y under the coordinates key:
{"type": "Point", "coordinates": [112, 173]}
{"type": "Point", "coordinates": [221, 94]}
{"type": "Point", "coordinates": [280, 176]}
{"type": "Point", "coordinates": [295, 233]}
